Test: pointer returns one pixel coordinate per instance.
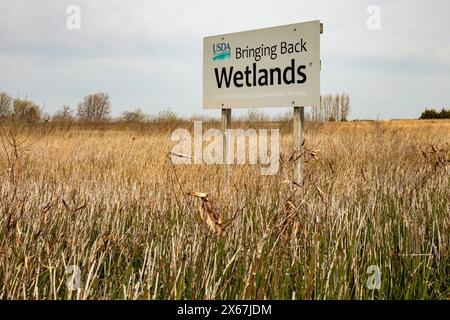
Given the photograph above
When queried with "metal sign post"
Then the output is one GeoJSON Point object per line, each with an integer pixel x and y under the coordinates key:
{"type": "Point", "coordinates": [226, 125]}
{"type": "Point", "coordinates": [298, 138]}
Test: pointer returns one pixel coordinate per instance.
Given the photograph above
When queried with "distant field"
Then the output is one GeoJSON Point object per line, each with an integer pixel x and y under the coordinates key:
{"type": "Point", "coordinates": [107, 200]}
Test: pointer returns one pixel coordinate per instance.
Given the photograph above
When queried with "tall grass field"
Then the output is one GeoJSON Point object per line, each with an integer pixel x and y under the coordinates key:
{"type": "Point", "coordinates": [100, 212]}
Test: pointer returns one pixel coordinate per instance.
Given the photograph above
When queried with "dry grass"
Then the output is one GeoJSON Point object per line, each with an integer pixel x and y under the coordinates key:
{"type": "Point", "coordinates": [107, 200]}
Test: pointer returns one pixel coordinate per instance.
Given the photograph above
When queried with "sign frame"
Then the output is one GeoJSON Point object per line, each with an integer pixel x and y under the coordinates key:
{"type": "Point", "coordinates": [269, 67]}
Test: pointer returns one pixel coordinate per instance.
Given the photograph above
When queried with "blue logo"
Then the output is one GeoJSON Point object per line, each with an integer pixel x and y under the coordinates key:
{"type": "Point", "coordinates": [221, 51]}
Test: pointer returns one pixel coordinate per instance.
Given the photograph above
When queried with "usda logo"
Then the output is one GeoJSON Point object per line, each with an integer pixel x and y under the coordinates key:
{"type": "Point", "coordinates": [221, 51]}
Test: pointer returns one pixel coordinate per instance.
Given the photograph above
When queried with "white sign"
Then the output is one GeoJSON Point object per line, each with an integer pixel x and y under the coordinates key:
{"type": "Point", "coordinates": [271, 67]}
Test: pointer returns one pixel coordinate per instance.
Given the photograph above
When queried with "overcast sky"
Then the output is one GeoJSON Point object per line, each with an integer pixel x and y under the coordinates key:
{"type": "Point", "coordinates": [148, 54]}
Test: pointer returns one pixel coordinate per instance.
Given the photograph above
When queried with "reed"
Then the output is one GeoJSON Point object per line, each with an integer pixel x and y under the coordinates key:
{"type": "Point", "coordinates": [106, 200]}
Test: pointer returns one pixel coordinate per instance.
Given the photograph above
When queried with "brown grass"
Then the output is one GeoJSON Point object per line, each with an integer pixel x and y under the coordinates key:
{"type": "Point", "coordinates": [107, 200]}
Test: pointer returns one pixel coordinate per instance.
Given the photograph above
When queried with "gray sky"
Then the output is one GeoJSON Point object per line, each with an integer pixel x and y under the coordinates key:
{"type": "Point", "coordinates": [148, 54]}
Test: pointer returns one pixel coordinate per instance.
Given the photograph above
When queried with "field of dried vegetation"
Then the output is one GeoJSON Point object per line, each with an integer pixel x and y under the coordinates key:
{"type": "Point", "coordinates": [106, 200]}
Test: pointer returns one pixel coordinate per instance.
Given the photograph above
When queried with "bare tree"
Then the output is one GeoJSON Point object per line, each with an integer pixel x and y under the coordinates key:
{"type": "Point", "coordinates": [64, 115]}
{"type": "Point", "coordinates": [332, 108]}
{"type": "Point", "coordinates": [335, 112]}
{"type": "Point", "coordinates": [345, 106]}
{"type": "Point", "coordinates": [326, 108]}
{"type": "Point", "coordinates": [94, 108]}
{"type": "Point", "coordinates": [134, 116]}
{"type": "Point", "coordinates": [5, 104]}
{"type": "Point", "coordinates": [165, 116]}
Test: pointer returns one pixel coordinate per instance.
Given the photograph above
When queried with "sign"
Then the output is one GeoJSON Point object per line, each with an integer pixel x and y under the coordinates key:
{"type": "Point", "coordinates": [271, 67]}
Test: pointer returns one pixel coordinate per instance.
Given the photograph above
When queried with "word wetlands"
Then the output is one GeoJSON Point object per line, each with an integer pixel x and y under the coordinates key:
{"type": "Point", "coordinates": [253, 77]}
{"type": "Point", "coordinates": [236, 146]}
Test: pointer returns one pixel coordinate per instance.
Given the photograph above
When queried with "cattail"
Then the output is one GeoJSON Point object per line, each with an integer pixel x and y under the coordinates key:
{"type": "Point", "coordinates": [207, 212]}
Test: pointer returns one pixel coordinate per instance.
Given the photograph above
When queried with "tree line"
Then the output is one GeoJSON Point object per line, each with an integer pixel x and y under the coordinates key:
{"type": "Point", "coordinates": [23, 109]}
{"type": "Point", "coordinates": [95, 108]}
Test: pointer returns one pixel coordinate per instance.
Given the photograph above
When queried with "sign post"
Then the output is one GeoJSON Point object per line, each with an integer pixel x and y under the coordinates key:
{"type": "Point", "coordinates": [298, 138]}
{"type": "Point", "coordinates": [226, 126]}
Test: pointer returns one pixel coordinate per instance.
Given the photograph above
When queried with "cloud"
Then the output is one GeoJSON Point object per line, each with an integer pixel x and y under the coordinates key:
{"type": "Point", "coordinates": [147, 54]}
